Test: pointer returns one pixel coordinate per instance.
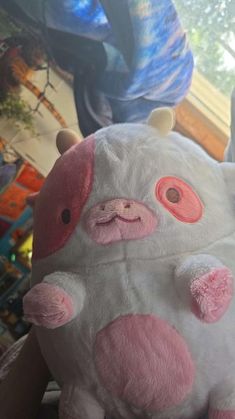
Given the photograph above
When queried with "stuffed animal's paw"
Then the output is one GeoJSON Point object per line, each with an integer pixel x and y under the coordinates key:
{"type": "Point", "coordinates": [48, 305]}
{"type": "Point", "coordinates": [211, 295]}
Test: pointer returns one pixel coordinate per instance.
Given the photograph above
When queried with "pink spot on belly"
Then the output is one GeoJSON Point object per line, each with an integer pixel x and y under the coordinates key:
{"type": "Point", "coordinates": [142, 360]}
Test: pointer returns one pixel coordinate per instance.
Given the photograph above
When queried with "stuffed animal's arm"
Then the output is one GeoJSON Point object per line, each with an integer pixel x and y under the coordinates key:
{"type": "Point", "coordinates": [205, 284]}
{"type": "Point", "coordinates": [55, 301]}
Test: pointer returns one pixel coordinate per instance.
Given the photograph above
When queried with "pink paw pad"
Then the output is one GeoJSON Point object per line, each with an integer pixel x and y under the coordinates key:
{"type": "Point", "coordinates": [48, 306]}
{"type": "Point", "coordinates": [211, 294]}
{"type": "Point", "coordinates": [222, 414]}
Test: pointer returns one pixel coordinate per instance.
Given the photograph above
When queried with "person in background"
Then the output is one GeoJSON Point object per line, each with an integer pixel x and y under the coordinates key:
{"type": "Point", "coordinates": [127, 57]}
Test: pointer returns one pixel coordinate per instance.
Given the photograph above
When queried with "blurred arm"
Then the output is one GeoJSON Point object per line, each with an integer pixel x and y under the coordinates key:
{"type": "Point", "coordinates": [22, 390]}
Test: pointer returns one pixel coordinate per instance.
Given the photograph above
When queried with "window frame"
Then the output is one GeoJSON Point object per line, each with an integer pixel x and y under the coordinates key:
{"type": "Point", "coordinates": [204, 115]}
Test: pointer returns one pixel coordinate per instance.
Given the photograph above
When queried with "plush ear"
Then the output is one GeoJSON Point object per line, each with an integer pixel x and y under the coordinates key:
{"type": "Point", "coordinates": [65, 139]}
{"type": "Point", "coordinates": [163, 119]}
{"type": "Point", "coordinates": [229, 154]}
{"type": "Point", "coordinates": [228, 170]}
{"type": "Point", "coordinates": [31, 199]}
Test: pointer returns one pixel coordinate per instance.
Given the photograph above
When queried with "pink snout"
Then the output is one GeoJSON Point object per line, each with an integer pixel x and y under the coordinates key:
{"type": "Point", "coordinates": [119, 219]}
{"type": "Point", "coordinates": [142, 360]}
{"type": "Point", "coordinates": [48, 306]}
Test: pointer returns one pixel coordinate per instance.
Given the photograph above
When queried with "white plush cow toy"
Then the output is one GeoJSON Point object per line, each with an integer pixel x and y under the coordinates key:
{"type": "Point", "coordinates": [133, 265]}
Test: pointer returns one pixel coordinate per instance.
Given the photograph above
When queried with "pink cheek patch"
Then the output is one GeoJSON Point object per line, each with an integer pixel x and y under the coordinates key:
{"type": "Point", "coordinates": [48, 306]}
{"type": "Point", "coordinates": [179, 199]}
{"type": "Point", "coordinates": [142, 360]}
{"type": "Point", "coordinates": [62, 197]}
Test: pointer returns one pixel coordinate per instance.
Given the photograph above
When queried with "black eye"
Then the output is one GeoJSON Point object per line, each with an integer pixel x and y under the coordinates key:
{"type": "Point", "coordinates": [66, 216]}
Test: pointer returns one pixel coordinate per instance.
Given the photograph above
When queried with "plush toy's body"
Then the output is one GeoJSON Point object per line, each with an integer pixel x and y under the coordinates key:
{"type": "Point", "coordinates": [133, 278]}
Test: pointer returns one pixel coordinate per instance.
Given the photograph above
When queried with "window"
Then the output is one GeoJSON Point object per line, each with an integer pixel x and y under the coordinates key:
{"type": "Point", "coordinates": [205, 114]}
{"type": "Point", "coordinates": [210, 27]}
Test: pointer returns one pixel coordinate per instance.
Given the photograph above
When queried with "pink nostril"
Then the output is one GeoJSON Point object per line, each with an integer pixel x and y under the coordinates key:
{"type": "Point", "coordinates": [102, 207]}
{"type": "Point", "coordinates": [127, 206]}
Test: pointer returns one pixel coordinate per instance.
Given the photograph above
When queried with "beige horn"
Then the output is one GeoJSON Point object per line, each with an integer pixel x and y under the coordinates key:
{"type": "Point", "coordinates": [65, 139]}
{"type": "Point", "coordinates": [163, 119]}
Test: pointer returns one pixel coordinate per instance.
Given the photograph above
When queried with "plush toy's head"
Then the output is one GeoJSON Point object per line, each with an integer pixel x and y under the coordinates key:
{"type": "Point", "coordinates": [138, 190]}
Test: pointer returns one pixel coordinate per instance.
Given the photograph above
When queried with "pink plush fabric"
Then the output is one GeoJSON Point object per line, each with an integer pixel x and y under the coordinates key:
{"type": "Point", "coordinates": [119, 219]}
{"type": "Point", "coordinates": [222, 414]}
{"type": "Point", "coordinates": [179, 199]}
{"type": "Point", "coordinates": [211, 294]}
{"type": "Point", "coordinates": [144, 361]}
{"type": "Point", "coordinates": [65, 192]}
{"type": "Point", "coordinates": [48, 306]}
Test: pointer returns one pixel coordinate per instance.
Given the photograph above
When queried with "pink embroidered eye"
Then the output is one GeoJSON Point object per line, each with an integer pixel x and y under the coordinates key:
{"type": "Point", "coordinates": [179, 199]}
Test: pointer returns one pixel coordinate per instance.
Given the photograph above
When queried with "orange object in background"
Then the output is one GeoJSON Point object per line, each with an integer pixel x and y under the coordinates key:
{"type": "Point", "coordinates": [20, 69]}
{"type": "Point", "coordinates": [13, 201]}
{"type": "Point", "coordinates": [30, 178]}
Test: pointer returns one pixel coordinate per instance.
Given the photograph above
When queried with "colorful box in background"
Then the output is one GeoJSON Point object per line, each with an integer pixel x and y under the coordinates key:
{"type": "Point", "coordinates": [16, 224]}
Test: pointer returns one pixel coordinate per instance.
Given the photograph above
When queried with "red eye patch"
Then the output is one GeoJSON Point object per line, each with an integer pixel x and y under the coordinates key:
{"type": "Point", "coordinates": [179, 199]}
{"type": "Point", "coordinates": [62, 198]}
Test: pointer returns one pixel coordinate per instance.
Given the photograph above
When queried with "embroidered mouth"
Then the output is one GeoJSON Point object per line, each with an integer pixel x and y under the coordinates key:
{"type": "Point", "coordinates": [119, 217]}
